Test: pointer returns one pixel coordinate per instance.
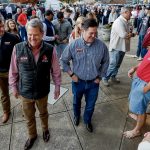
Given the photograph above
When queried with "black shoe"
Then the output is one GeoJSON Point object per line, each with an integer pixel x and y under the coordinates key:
{"type": "Point", "coordinates": [89, 127]}
{"type": "Point", "coordinates": [46, 136]}
{"type": "Point", "coordinates": [76, 120]}
{"type": "Point", "coordinates": [29, 143]}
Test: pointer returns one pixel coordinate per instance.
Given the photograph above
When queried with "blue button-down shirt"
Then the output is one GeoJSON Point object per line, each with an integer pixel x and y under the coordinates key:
{"type": "Point", "coordinates": [89, 61]}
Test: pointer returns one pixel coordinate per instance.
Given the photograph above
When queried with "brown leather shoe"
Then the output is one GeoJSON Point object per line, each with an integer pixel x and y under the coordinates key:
{"type": "Point", "coordinates": [5, 117]}
{"type": "Point", "coordinates": [29, 143]}
{"type": "Point", "coordinates": [46, 136]}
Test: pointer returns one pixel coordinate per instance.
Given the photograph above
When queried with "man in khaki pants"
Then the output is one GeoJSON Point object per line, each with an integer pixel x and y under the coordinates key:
{"type": "Point", "coordinates": [7, 42]}
{"type": "Point", "coordinates": [29, 76]}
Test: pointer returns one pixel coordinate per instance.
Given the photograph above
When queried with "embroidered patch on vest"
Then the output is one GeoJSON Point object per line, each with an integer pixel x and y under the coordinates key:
{"type": "Point", "coordinates": [23, 59]}
{"type": "Point", "coordinates": [44, 58]}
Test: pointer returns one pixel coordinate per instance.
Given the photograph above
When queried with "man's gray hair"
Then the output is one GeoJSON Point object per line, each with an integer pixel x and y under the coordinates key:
{"type": "Point", "coordinates": [35, 23]}
{"type": "Point", "coordinates": [125, 9]}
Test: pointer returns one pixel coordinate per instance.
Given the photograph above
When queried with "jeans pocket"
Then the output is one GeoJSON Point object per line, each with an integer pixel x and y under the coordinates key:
{"type": "Point", "coordinates": [97, 84]}
{"type": "Point", "coordinates": [142, 87]}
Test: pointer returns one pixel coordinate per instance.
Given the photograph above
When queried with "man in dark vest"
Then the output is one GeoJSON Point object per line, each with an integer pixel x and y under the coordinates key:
{"type": "Point", "coordinates": [49, 31]}
{"type": "Point", "coordinates": [7, 42]}
{"type": "Point", "coordinates": [29, 76]}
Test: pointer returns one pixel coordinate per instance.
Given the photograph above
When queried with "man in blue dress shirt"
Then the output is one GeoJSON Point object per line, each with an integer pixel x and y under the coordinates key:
{"type": "Point", "coordinates": [90, 60]}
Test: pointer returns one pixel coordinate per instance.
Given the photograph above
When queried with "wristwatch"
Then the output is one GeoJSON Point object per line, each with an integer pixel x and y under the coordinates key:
{"type": "Point", "coordinates": [71, 74]}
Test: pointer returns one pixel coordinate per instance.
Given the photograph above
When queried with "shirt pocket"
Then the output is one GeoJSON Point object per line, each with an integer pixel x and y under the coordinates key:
{"type": "Point", "coordinates": [80, 55]}
{"type": "Point", "coordinates": [96, 59]}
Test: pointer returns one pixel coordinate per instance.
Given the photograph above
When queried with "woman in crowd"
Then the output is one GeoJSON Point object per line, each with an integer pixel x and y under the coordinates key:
{"type": "Point", "coordinates": [91, 15]}
{"type": "Point", "coordinates": [112, 16]}
{"type": "Point", "coordinates": [76, 33]}
{"type": "Point", "coordinates": [11, 27]}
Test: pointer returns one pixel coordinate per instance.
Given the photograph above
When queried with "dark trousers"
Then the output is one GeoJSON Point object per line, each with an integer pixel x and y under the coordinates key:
{"type": "Point", "coordinates": [28, 106]}
{"type": "Point", "coordinates": [141, 51]}
{"type": "Point", "coordinates": [90, 91]}
{"type": "Point", "coordinates": [4, 94]}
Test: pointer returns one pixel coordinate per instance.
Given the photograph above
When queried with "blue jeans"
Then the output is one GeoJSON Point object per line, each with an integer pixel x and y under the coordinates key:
{"type": "Point", "coordinates": [116, 58]}
{"type": "Point", "coordinates": [138, 100]}
{"type": "Point", "coordinates": [60, 48]}
{"type": "Point", "coordinates": [141, 51]}
{"type": "Point", "coordinates": [23, 33]}
{"type": "Point", "coordinates": [90, 91]}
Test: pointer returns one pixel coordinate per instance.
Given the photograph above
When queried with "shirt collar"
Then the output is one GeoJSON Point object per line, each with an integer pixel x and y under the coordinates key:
{"type": "Point", "coordinates": [123, 18]}
{"type": "Point", "coordinates": [85, 43]}
{"type": "Point", "coordinates": [41, 45]}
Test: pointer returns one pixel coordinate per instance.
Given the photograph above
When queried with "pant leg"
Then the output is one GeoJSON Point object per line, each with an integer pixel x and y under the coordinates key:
{"type": "Point", "coordinates": [91, 95]}
{"type": "Point", "coordinates": [113, 64]}
{"type": "Point", "coordinates": [60, 48]}
{"type": "Point", "coordinates": [119, 58]}
{"type": "Point", "coordinates": [143, 50]}
{"type": "Point", "coordinates": [28, 107]}
{"type": "Point", "coordinates": [43, 112]}
{"type": "Point", "coordinates": [4, 92]}
{"type": "Point", "coordinates": [138, 22]}
{"type": "Point", "coordinates": [23, 33]}
{"type": "Point", "coordinates": [78, 90]}
{"type": "Point", "coordinates": [138, 53]}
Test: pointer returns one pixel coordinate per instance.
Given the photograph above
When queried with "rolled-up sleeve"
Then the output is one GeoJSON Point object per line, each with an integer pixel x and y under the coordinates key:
{"type": "Point", "coordinates": [55, 70]}
{"type": "Point", "coordinates": [13, 72]}
{"type": "Point", "coordinates": [65, 58]}
{"type": "Point", "coordinates": [105, 63]}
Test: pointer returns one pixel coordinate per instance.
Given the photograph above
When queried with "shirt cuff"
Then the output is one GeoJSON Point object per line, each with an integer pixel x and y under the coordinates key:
{"type": "Point", "coordinates": [14, 90]}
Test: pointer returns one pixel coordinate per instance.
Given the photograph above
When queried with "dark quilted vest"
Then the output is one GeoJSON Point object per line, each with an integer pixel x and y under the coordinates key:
{"type": "Point", "coordinates": [49, 30]}
{"type": "Point", "coordinates": [34, 79]}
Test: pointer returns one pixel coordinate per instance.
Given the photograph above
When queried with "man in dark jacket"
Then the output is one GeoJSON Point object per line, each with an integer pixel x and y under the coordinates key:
{"type": "Point", "coordinates": [49, 35]}
{"type": "Point", "coordinates": [7, 42]}
{"type": "Point", "coordinates": [29, 76]}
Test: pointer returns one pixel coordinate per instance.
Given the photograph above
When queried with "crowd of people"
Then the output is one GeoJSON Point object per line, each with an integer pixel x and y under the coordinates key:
{"type": "Point", "coordinates": [35, 43]}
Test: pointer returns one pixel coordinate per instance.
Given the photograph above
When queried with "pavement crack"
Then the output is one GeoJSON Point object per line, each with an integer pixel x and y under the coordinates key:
{"type": "Point", "coordinates": [11, 129]}
{"type": "Point", "coordinates": [121, 141]}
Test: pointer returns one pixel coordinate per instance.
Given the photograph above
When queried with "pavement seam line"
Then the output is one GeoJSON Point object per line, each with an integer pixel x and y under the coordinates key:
{"type": "Point", "coordinates": [11, 130]}
{"type": "Point", "coordinates": [121, 141]}
{"type": "Point", "coordinates": [73, 125]}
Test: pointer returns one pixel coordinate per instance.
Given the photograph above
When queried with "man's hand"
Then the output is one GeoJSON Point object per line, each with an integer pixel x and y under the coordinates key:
{"type": "Point", "coordinates": [129, 35]}
{"type": "Point", "coordinates": [97, 81]}
{"type": "Point", "coordinates": [148, 47]}
{"type": "Point", "coordinates": [16, 95]}
{"type": "Point", "coordinates": [74, 78]}
{"type": "Point", "coordinates": [56, 93]}
{"type": "Point", "coordinates": [65, 41]}
{"type": "Point", "coordinates": [131, 72]}
{"type": "Point", "coordinates": [56, 37]}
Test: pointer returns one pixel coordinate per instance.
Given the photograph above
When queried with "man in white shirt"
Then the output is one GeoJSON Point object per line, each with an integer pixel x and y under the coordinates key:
{"type": "Point", "coordinates": [119, 44]}
{"type": "Point", "coordinates": [112, 16]}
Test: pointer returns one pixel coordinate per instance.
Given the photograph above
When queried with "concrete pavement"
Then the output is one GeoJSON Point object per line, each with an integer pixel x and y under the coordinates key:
{"type": "Point", "coordinates": [110, 120]}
